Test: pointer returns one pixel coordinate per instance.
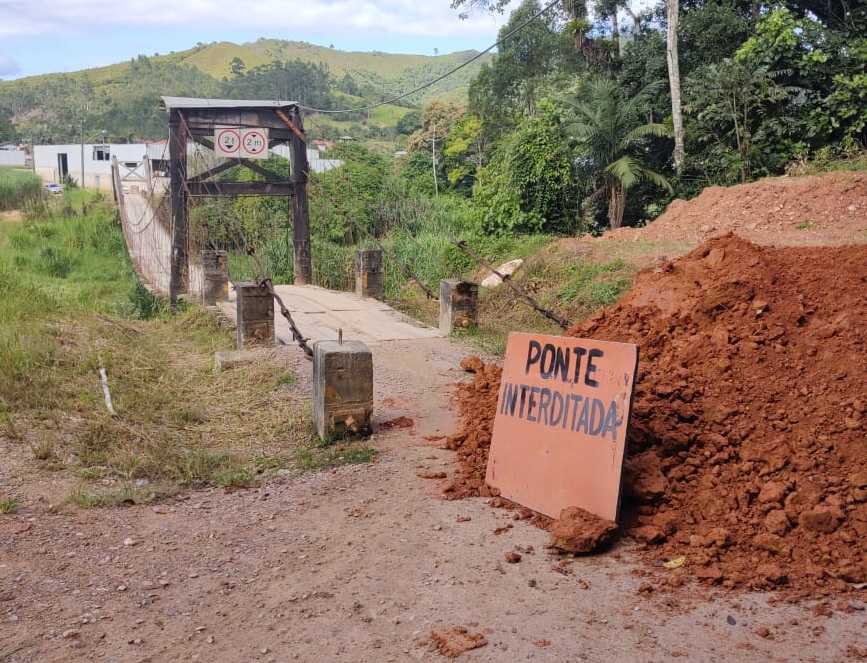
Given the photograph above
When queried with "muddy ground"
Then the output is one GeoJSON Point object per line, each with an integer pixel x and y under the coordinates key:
{"type": "Point", "coordinates": [370, 563]}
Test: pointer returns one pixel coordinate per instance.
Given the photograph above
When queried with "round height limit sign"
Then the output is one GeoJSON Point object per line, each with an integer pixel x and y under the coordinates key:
{"type": "Point", "coordinates": [241, 143]}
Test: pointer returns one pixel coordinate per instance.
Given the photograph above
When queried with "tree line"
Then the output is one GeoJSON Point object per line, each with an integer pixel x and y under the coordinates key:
{"type": "Point", "coordinates": [595, 114]}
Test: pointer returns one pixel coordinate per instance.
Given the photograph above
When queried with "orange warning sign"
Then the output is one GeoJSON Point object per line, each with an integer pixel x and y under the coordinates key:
{"type": "Point", "coordinates": [560, 428]}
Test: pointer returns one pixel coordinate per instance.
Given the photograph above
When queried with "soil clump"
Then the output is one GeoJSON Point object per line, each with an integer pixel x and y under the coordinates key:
{"type": "Point", "coordinates": [579, 531]}
{"type": "Point", "coordinates": [453, 641]}
{"type": "Point", "coordinates": [747, 451]}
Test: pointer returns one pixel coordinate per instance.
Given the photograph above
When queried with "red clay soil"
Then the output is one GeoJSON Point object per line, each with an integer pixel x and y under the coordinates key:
{"type": "Point", "coordinates": [747, 450]}
{"type": "Point", "coordinates": [827, 210]}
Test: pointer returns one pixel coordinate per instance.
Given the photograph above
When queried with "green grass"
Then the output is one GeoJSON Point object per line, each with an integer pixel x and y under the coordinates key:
{"type": "Point", "coordinates": [321, 454]}
{"type": "Point", "coordinates": [18, 187]}
{"type": "Point", "coordinates": [70, 304]}
{"type": "Point", "coordinates": [10, 504]}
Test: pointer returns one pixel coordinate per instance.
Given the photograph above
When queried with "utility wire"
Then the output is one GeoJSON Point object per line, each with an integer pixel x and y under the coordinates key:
{"type": "Point", "coordinates": [445, 75]}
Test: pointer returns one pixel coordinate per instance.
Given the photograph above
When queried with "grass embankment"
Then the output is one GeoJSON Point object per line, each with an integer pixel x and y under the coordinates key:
{"type": "Point", "coordinates": [70, 303]}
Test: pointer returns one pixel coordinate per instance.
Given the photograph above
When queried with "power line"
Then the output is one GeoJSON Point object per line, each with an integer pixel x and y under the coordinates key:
{"type": "Point", "coordinates": [445, 75]}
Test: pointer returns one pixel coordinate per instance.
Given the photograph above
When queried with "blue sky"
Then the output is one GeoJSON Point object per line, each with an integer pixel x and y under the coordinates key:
{"type": "Point", "coordinates": [38, 36]}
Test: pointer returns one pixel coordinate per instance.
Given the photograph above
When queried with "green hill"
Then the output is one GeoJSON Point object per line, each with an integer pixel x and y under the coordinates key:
{"type": "Point", "coordinates": [123, 98]}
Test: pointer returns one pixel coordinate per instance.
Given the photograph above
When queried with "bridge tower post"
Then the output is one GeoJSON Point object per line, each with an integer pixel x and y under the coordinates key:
{"type": "Point", "coordinates": [298, 167]}
{"type": "Point", "coordinates": [179, 274]}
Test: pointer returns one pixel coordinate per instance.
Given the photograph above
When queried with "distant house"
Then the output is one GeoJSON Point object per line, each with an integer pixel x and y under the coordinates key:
{"type": "Point", "coordinates": [11, 154]}
{"type": "Point", "coordinates": [55, 162]}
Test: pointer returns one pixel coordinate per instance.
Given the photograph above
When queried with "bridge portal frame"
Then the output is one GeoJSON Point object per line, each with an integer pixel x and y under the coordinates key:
{"type": "Point", "coordinates": [198, 120]}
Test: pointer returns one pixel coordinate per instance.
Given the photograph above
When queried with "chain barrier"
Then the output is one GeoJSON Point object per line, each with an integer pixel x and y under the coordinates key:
{"type": "Point", "coordinates": [265, 282]}
{"type": "Point", "coordinates": [236, 231]}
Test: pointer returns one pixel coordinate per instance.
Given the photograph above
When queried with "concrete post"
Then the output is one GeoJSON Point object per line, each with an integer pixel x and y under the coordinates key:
{"type": "Point", "coordinates": [458, 304]}
{"type": "Point", "coordinates": [215, 277]}
{"type": "Point", "coordinates": [255, 315]}
{"type": "Point", "coordinates": [342, 388]}
{"type": "Point", "coordinates": [368, 273]}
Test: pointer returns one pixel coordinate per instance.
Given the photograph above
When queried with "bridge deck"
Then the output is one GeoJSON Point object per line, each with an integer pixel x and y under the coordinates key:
{"type": "Point", "coordinates": [319, 313]}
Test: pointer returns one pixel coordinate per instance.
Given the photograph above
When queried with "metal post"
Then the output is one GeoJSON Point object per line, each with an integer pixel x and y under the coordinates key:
{"type": "Point", "coordinates": [82, 153]}
{"type": "Point", "coordinates": [300, 211]}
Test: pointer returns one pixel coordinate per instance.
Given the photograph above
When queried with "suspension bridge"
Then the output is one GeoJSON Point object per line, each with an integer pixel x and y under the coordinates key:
{"type": "Point", "coordinates": [152, 205]}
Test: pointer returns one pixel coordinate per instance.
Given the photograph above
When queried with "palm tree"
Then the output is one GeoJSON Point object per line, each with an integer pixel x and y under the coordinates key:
{"type": "Point", "coordinates": [609, 130]}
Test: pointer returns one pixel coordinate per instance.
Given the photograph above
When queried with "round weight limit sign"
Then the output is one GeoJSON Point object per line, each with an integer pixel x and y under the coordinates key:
{"type": "Point", "coordinates": [228, 142]}
{"type": "Point", "coordinates": [254, 143]}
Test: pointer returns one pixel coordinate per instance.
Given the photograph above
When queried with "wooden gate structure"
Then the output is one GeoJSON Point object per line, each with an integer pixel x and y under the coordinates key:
{"type": "Point", "coordinates": [204, 121]}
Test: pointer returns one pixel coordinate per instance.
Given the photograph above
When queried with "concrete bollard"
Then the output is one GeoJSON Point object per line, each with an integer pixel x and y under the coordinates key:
{"type": "Point", "coordinates": [459, 302]}
{"type": "Point", "coordinates": [215, 277]}
{"type": "Point", "coordinates": [368, 273]}
{"type": "Point", "coordinates": [255, 315]}
{"type": "Point", "coordinates": [342, 388]}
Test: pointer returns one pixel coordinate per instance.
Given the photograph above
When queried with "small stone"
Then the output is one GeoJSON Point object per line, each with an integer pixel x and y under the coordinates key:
{"type": "Point", "coordinates": [134, 641]}
{"type": "Point", "coordinates": [71, 633]}
{"type": "Point", "coordinates": [121, 588]}
{"type": "Point", "coordinates": [674, 580]}
{"type": "Point", "coordinates": [772, 491]}
{"type": "Point", "coordinates": [776, 522]}
{"type": "Point", "coordinates": [824, 518]}
{"type": "Point", "coordinates": [513, 557]}
{"type": "Point", "coordinates": [531, 582]}
{"type": "Point", "coordinates": [129, 542]}
{"type": "Point", "coordinates": [772, 573]}
{"type": "Point", "coordinates": [648, 534]}
{"type": "Point", "coordinates": [763, 632]}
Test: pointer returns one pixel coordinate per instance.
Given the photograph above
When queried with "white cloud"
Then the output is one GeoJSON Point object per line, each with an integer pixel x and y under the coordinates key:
{"type": "Point", "coordinates": [339, 18]}
{"type": "Point", "coordinates": [8, 66]}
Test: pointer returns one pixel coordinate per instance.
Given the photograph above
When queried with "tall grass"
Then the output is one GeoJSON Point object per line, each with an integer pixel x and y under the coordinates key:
{"type": "Point", "coordinates": [17, 187]}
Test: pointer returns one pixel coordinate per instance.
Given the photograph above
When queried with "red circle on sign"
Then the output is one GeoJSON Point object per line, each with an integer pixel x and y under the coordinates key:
{"type": "Point", "coordinates": [255, 143]}
{"type": "Point", "coordinates": [229, 140]}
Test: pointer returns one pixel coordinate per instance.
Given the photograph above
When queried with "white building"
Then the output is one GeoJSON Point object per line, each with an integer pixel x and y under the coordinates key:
{"type": "Point", "coordinates": [54, 162]}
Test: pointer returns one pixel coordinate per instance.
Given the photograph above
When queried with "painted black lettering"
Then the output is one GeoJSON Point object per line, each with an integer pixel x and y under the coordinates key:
{"type": "Point", "coordinates": [523, 401]}
{"type": "Point", "coordinates": [576, 399]}
{"type": "Point", "coordinates": [584, 417]}
{"type": "Point", "coordinates": [610, 421]}
{"type": "Point", "coordinates": [532, 403]}
{"type": "Point", "coordinates": [579, 354]}
{"type": "Point", "coordinates": [546, 362]}
{"type": "Point", "coordinates": [544, 402]}
{"type": "Point", "coordinates": [508, 399]}
{"type": "Point", "coordinates": [561, 364]}
{"type": "Point", "coordinates": [533, 353]}
{"type": "Point", "coordinates": [591, 367]}
{"type": "Point", "coordinates": [597, 418]}
{"type": "Point", "coordinates": [558, 409]}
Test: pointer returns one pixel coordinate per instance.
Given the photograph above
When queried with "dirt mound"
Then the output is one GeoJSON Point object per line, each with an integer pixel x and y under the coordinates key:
{"type": "Point", "coordinates": [747, 450]}
{"type": "Point", "coordinates": [828, 209]}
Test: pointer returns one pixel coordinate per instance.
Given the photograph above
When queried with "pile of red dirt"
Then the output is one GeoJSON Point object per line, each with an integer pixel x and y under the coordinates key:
{"type": "Point", "coordinates": [828, 209]}
{"type": "Point", "coordinates": [747, 450]}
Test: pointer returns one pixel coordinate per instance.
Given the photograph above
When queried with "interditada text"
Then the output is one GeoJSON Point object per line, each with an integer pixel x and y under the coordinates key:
{"type": "Point", "coordinates": [556, 406]}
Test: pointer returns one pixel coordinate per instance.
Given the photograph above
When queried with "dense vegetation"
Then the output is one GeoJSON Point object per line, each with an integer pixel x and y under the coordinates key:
{"type": "Point", "coordinates": [579, 123]}
{"type": "Point", "coordinates": [570, 127]}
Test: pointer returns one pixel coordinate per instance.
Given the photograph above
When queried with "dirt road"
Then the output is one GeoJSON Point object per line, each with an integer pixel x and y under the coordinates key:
{"type": "Point", "coordinates": [362, 564]}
